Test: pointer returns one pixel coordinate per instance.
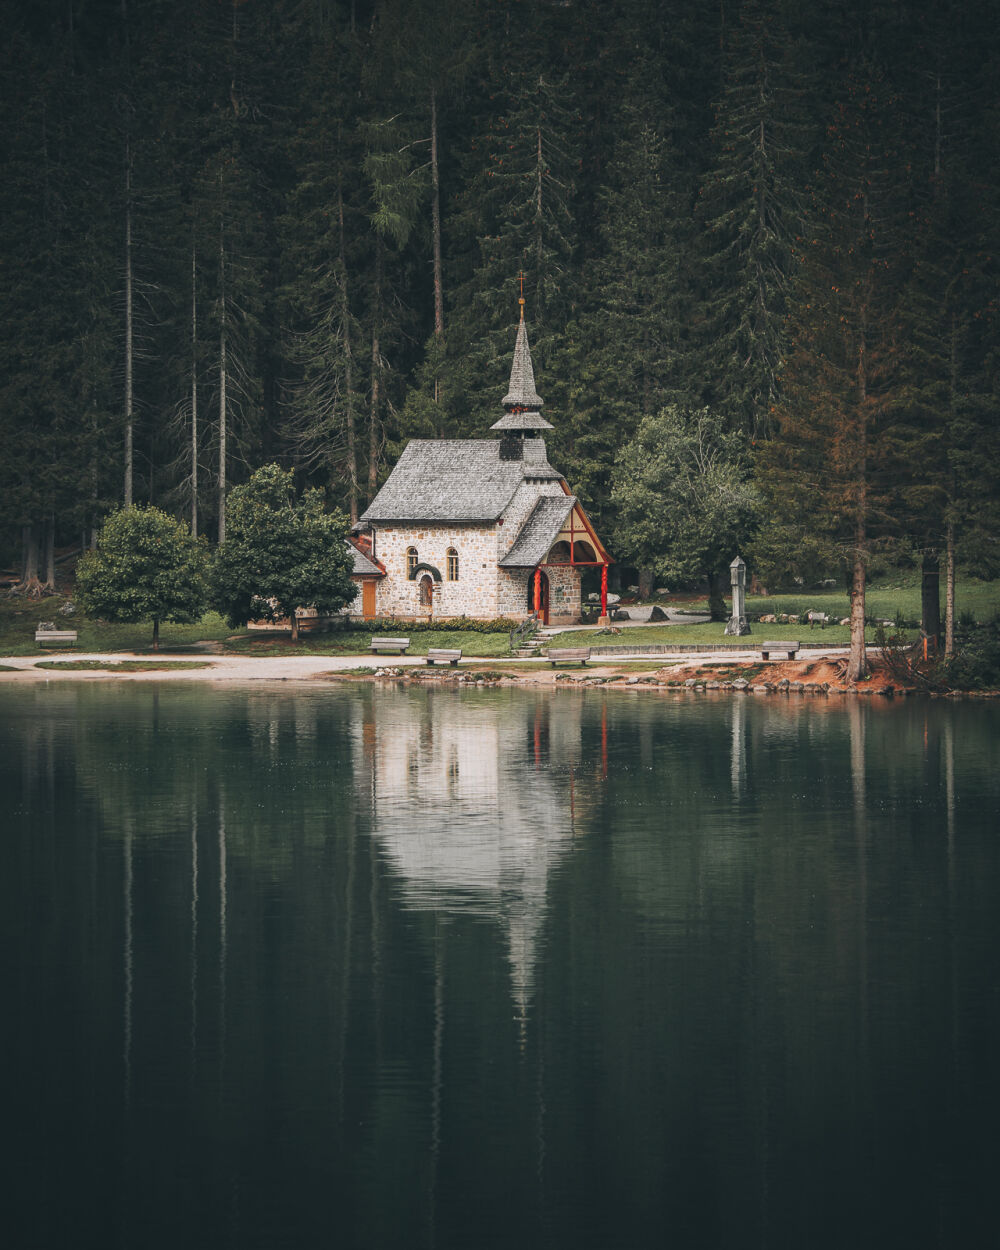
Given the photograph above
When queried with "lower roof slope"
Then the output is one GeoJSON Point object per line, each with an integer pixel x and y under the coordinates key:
{"type": "Point", "coordinates": [539, 532]}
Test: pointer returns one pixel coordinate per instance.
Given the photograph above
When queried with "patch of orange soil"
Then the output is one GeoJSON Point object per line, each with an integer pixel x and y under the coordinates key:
{"type": "Point", "coordinates": [819, 670]}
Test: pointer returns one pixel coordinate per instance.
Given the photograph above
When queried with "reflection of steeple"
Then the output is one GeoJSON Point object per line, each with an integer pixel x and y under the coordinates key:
{"type": "Point", "coordinates": [492, 851]}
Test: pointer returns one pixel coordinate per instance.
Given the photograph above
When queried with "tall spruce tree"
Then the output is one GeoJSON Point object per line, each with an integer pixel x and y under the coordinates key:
{"type": "Point", "coordinates": [750, 207]}
{"type": "Point", "coordinates": [323, 260]}
{"type": "Point", "coordinates": [823, 471]}
{"type": "Point", "coordinates": [516, 214]}
{"type": "Point", "coordinates": [624, 351]}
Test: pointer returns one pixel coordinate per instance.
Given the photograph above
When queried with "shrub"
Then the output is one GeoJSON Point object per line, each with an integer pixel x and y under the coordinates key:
{"type": "Point", "coordinates": [977, 665]}
{"type": "Point", "coordinates": [396, 625]}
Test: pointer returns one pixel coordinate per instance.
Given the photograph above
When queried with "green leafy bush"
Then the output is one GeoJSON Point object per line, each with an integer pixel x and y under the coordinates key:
{"type": "Point", "coordinates": [395, 625]}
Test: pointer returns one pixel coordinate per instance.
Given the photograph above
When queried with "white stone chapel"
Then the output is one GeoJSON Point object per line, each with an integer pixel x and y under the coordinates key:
{"type": "Point", "coordinates": [480, 527]}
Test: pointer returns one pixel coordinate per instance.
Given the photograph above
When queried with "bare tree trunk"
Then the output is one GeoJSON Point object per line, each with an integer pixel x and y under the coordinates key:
{"type": "Point", "coordinates": [30, 585]}
{"type": "Point", "coordinates": [129, 414]}
{"type": "Point", "coordinates": [949, 592]}
{"type": "Point", "coordinates": [930, 598]}
{"type": "Point", "coordinates": [50, 554]}
{"type": "Point", "coordinates": [857, 663]}
{"type": "Point", "coordinates": [539, 170]}
{"type": "Point", "coordinates": [156, 633]}
{"type": "Point", "coordinates": [373, 415]}
{"type": "Point", "coordinates": [194, 388]}
{"type": "Point", "coordinates": [295, 625]}
{"type": "Point", "coordinates": [223, 414]}
{"type": "Point", "coordinates": [345, 321]}
{"type": "Point", "coordinates": [716, 596]}
{"type": "Point", "coordinates": [436, 222]}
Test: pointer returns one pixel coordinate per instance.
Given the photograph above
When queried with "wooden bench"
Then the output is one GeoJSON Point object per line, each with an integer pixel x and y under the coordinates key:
{"type": "Point", "coordinates": [60, 637]}
{"type": "Point", "coordinates": [569, 654]}
{"type": "Point", "coordinates": [786, 650]}
{"type": "Point", "coordinates": [443, 653]}
{"type": "Point", "coordinates": [398, 645]}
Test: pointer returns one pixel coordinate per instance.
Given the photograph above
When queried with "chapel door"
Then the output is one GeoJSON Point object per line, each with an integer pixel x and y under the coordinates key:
{"type": "Point", "coordinates": [368, 599]}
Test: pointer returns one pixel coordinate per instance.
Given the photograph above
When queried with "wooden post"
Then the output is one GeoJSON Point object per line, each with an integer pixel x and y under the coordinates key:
{"type": "Point", "coordinates": [538, 590]}
{"type": "Point", "coordinates": [604, 590]}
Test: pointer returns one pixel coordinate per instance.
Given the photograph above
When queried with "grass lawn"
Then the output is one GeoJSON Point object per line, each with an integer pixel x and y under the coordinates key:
{"type": "Point", "coordinates": [358, 642]}
{"type": "Point", "coordinates": [121, 666]}
{"type": "Point", "coordinates": [19, 619]}
{"type": "Point", "coordinates": [708, 633]}
{"type": "Point", "coordinates": [898, 594]}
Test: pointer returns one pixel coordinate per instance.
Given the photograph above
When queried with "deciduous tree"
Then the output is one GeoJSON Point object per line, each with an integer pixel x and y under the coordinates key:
{"type": "Point", "coordinates": [281, 553]}
{"type": "Point", "coordinates": [146, 567]}
{"type": "Point", "coordinates": [685, 502]}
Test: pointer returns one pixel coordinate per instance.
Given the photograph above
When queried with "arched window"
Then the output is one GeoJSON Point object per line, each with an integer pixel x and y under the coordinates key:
{"type": "Point", "coordinates": [412, 560]}
{"type": "Point", "coordinates": [452, 565]}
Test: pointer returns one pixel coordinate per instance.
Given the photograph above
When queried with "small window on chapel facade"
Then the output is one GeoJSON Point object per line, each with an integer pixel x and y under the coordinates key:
{"type": "Point", "coordinates": [452, 565]}
{"type": "Point", "coordinates": [412, 560]}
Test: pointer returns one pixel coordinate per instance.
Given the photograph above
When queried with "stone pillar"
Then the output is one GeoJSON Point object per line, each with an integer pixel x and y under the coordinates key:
{"type": "Point", "coordinates": [737, 625]}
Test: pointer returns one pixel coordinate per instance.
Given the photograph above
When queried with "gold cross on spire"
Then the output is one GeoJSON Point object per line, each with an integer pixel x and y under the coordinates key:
{"type": "Point", "coordinates": [521, 300]}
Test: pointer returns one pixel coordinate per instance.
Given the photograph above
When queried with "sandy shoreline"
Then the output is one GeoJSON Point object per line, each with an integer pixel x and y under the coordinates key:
{"type": "Point", "coordinates": [818, 669]}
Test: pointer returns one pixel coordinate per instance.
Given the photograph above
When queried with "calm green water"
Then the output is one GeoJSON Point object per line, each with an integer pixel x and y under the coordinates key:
{"type": "Point", "coordinates": [371, 968]}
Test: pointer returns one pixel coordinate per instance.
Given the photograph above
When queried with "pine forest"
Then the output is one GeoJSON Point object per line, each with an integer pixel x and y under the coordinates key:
{"type": "Point", "coordinates": [758, 239]}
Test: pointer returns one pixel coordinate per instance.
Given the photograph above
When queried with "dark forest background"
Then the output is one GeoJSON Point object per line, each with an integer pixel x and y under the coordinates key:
{"type": "Point", "coordinates": [237, 231]}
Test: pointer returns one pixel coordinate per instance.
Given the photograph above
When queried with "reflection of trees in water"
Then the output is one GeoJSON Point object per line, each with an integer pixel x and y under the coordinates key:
{"type": "Point", "coordinates": [751, 874]}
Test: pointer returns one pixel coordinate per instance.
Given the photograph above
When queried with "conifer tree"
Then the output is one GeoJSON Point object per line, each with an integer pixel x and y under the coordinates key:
{"type": "Point", "coordinates": [624, 352]}
{"type": "Point", "coordinates": [516, 214]}
{"type": "Point", "coordinates": [323, 259]}
{"type": "Point", "coordinates": [750, 207]}
{"type": "Point", "coordinates": [823, 471]}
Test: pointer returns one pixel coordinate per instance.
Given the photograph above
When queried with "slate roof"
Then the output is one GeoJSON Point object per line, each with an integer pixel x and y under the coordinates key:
{"type": "Point", "coordinates": [539, 532]}
{"type": "Point", "coordinates": [362, 564]}
{"type": "Point", "coordinates": [522, 393]}
{"type": "Point", "coordinates": [455, 479]}
{"type": "Point", "coordinates": [522, 421]}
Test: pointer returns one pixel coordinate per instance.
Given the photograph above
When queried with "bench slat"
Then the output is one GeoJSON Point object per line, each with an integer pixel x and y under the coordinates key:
{"type": "Point", "coordinates": [789, 648]}
{"type": "Point", "coordinates": [390, 644]}
{"type": "Point", "coordinates": [555, 654]}
{"type": "Point", "coordinates": [452, 655]}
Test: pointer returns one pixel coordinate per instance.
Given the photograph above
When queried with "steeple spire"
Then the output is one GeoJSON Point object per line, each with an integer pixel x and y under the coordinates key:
{"type": "Point", "coordinates": [522, 394]}
{"type": "Point", "coordinates": [522, 402]}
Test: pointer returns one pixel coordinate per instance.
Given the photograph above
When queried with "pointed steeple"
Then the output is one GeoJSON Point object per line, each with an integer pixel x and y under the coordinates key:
{"type": "Point", "coordinates": [522, 402]}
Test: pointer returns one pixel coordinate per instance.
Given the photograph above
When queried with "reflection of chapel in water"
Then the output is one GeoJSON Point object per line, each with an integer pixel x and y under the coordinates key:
{"type": "Point", "coordinates": [475, 805]}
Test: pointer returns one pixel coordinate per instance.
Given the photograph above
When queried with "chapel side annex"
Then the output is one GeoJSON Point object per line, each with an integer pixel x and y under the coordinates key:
{"type": "Point", "coordinates": [482, 527]}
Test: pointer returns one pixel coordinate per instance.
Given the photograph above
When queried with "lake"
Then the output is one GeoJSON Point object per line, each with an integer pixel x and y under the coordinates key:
{"type": "Point", "coordinates": [291, 966]}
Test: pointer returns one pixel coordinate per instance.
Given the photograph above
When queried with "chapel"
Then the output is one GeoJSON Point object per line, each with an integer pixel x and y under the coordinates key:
{"type": "Point", "coordinates": [481, 527]}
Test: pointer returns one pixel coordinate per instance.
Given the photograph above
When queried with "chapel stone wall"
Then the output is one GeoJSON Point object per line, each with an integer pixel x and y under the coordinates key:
{"type": "Point", "coordinates": [565, 597]}
{"type": "Point", "coordinates": [473, 594]}
{"type": "Point", "coordinates": [512, 592]}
